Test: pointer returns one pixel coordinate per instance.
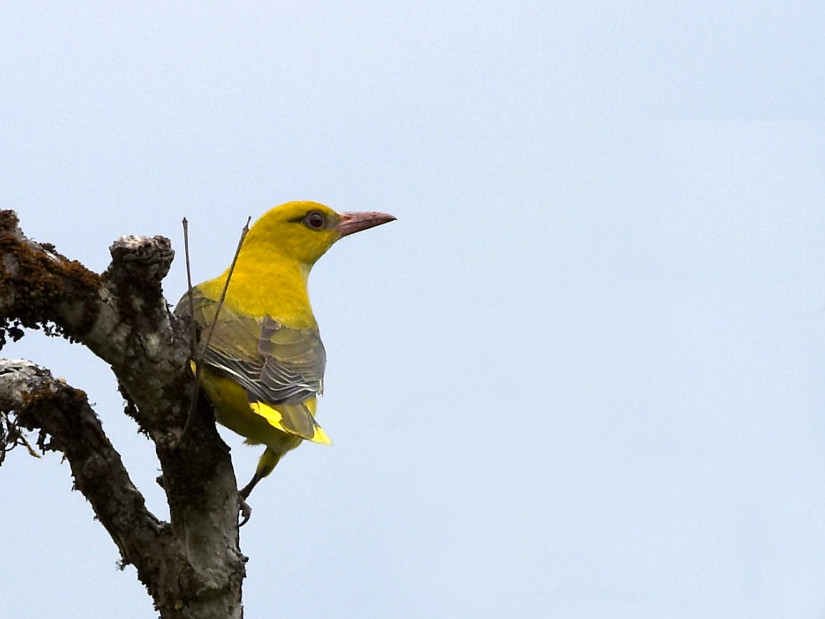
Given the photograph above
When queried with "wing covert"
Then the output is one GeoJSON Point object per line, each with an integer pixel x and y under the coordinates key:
{"type": "Point", "coordinates": [275, 364]}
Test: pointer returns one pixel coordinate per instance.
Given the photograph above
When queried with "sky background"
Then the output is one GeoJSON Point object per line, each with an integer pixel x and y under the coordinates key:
{"type": "Point", "coordinates": [583, 375]}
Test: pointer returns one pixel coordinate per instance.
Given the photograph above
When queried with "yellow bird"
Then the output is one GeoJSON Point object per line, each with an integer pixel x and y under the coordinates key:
{"type": "Point", "coordinates": [264, 364]}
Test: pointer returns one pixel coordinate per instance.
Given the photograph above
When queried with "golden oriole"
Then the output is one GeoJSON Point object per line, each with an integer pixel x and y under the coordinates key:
{"type": "Point", "coordinates": [264, 363]}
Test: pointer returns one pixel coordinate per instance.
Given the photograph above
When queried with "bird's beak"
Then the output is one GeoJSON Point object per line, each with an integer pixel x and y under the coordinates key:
{"type": "Point", "coordinates": [355, 222]}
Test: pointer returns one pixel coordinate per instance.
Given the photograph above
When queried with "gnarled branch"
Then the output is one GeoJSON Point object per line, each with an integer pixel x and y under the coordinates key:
{"type": "Point", "coordinates": [192, 566]}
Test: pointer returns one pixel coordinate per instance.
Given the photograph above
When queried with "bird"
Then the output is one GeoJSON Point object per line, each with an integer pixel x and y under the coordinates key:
{"type": "Point", "coordinates": [263, 364]}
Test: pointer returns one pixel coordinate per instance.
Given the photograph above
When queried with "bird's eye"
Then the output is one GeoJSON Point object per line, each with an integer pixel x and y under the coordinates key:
{"type": "Point", "coordinates": [315, 220]}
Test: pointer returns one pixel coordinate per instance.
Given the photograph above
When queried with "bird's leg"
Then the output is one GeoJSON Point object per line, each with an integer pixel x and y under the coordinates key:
{"type": "Point", "coordinates": [243, 494]}
{"type": "Point", "coordinates": [267, 462]}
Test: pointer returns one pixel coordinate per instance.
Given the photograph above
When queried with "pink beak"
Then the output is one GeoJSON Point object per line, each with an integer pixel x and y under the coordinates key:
{"type": "Point", "coordinates": [355, 222]}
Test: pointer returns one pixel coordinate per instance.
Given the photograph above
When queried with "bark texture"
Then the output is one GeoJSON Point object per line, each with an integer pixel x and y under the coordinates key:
{"type": "Point", "coordinates": [192, 566]}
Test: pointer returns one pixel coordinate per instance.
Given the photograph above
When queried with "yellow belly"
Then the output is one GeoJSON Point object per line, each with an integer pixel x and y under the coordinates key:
{"type": "Point", "coordinates": [232, 410]}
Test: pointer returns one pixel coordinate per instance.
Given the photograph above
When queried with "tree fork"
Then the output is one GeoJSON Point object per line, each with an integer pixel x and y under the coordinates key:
{"type": "Point", "coordinates": [192, 566]}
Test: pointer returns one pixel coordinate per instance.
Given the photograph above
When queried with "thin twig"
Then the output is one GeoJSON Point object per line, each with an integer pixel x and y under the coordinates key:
{"type": "Point", "coordinates": [191, 294]}
{"type": "Point", "coordinates": [244, 232]}
{"type": "Point", "coordinates": [199, 358]}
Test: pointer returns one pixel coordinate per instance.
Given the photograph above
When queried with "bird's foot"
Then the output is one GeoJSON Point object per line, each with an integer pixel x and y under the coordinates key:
{"type": "Point", "coordinates": [246, 511]}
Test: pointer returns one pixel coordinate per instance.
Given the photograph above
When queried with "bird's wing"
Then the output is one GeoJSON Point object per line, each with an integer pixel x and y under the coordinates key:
{"type": "Point", "coordinates": [276, 365]}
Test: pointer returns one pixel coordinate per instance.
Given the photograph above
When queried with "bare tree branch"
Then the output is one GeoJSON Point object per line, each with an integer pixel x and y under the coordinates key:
{"type": "Point", "coordinates": [192, 566]}
{"type": "Point", "coordinates": [67, 424]}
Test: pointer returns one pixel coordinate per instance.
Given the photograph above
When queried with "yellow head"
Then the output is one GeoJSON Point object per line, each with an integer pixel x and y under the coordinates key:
{"type": "Point", "coordinates": [304, 231]}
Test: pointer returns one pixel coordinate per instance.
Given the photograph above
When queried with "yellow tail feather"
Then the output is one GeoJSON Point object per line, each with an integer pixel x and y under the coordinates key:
{"type": "Point", "coordinates": [300, 412]}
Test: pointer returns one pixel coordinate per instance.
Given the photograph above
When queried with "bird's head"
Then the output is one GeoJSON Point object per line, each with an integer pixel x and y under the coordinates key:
{"type": "Point", "coordinates": [304, 231]}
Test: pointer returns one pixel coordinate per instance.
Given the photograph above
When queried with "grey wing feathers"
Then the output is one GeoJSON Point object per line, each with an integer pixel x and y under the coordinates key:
{"type": "Point", "coordinates": [273, 363]}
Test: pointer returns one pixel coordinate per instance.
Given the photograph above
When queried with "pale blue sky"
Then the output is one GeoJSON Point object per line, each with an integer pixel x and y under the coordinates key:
{"type": "Point", "coordinates": [584, 373]}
